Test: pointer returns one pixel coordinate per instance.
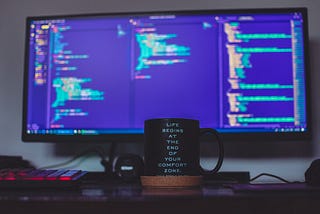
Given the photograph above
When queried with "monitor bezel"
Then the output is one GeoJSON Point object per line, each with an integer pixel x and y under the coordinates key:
{"type": "Point", "coordinates": [232, 137]}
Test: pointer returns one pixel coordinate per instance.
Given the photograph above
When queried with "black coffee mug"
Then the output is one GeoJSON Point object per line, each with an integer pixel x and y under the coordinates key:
{"type": "Point", "coordinates": [172, 147]}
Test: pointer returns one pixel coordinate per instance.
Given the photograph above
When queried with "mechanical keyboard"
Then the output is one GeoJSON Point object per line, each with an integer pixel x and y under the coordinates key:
{"type": "Point", "coordinates": [40, 178]}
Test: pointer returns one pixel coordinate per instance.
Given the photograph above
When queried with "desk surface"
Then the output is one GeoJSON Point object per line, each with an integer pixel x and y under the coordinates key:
{"type": "Point", "coordinates": [111, 197]}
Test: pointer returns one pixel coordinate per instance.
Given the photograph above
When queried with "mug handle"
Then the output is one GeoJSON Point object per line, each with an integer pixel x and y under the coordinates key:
{"type": "Point", "coordinates": [221, 151]}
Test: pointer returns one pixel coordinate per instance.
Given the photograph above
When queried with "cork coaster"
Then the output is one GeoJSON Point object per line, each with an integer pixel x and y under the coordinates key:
{"type": "Point", "coordinates": [171, 181]}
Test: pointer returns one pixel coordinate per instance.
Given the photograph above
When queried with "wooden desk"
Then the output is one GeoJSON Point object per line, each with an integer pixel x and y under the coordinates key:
{"type": "Point", "coordinates": [131, 198]}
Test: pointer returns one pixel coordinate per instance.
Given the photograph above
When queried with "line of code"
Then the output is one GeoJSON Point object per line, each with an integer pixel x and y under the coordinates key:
{"type": "Point", "coordinates": [257, 92]}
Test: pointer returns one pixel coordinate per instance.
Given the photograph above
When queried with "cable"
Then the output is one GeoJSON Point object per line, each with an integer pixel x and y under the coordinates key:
{"type": "Point", "coordinates": [270, 175]}
{"type": "Point", "coordinates": [96, 150]}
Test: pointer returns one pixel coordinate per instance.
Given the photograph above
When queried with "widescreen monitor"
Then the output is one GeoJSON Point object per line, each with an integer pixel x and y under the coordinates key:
{"type": "Point", "coordinates": [98, 77]}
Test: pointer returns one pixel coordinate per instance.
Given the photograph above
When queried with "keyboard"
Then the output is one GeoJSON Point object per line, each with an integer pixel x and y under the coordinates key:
{"type": "Point", "coordinates": [40, 178]}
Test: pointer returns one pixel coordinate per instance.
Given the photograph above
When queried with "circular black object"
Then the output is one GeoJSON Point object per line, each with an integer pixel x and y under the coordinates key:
{"type": "Point", "coordinates": [128, 166]}
{"type": "Point", "coordinates": [312, 174]}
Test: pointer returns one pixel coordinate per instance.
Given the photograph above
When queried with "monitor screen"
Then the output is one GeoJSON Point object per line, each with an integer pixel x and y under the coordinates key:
{"type": "Point", "coordinates": [98, 77]}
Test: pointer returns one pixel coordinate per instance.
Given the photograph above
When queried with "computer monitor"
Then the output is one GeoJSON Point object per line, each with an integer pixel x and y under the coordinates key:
{"type": "Point", "coordinates": [98, 77]}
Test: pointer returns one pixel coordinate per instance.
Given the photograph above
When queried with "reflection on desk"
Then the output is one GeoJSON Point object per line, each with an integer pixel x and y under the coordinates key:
{"type": "Point", "coordinates": [117, 197]}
